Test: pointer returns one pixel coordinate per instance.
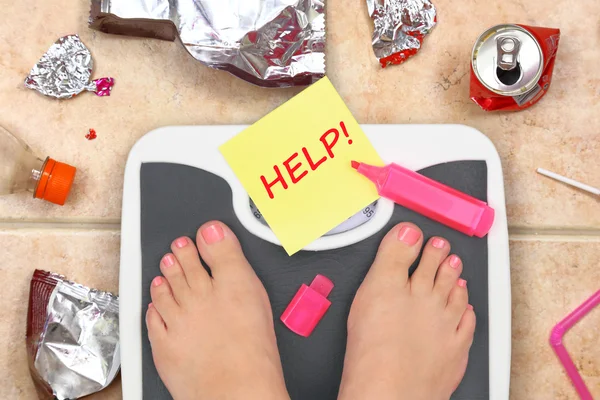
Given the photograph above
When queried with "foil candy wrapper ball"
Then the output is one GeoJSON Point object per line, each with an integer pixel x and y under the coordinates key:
{"type": "Point", "coordinates": [400, 27]}
{"type": "Point", "coordinates": [271, 43]}
{"type": "Point", "coordinates": [65, 69]}
{"type": "Point", "coordinates": [76, 352]}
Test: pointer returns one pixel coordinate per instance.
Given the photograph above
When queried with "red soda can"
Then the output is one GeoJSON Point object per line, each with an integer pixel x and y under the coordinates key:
{"type": "Point", "coordinates": [511, 66]}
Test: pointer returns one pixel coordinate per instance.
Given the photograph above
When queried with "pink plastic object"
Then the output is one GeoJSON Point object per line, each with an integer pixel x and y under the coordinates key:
{"type": "Point", "coordinates": [430, 198]}
{"type": "Point", "coordinates": [104, 86]}
{"type": "Point", "coordinates": [558, 332]}
{"type": "Point", "coordinates": [308, 306]}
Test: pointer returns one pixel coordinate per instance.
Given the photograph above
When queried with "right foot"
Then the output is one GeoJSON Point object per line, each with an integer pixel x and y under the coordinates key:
{"type": "Point", "coordinates": [212, 337]}
{"type": "Point", "coordinates": [409, 338]}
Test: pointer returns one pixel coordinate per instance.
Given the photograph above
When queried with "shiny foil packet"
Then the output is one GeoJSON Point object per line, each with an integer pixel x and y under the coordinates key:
{"type": "Point", "coordinates": [400, 27]}
{"type": "Point", "coordinates": [72, 337]}
{"type": "Point", "coordinates": [65, 69]}
{"type": "Point", "coordinates": [271, 43]}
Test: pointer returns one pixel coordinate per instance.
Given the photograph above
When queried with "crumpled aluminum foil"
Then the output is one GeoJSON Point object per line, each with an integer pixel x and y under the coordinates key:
{"type": "Point", "coordinates": [65, 70]}
{"type": "Point", "coordinates": [78, 353]}
{"type": "Point", "coordinates": [273, 43]}
{"type": "Point", "coordinates": [400, 26]}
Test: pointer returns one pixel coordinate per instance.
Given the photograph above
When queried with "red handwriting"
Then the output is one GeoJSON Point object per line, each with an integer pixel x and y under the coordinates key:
{"type": "Point", "coordinates": [292, 166]}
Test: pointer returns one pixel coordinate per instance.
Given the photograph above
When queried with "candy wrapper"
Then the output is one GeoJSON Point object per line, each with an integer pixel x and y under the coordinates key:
{"type": "Point", "coordinates": [400, 27]}
{"type": "Point", "coordinates": [65, 71]}
{"type": "Point", "coordinates": [272, 43]}
{"type": "Point", "coordinates": [72, 337]}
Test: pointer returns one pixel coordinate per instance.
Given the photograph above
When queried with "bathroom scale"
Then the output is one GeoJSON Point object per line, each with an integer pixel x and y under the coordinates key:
{"type": "Point", "coordinates": [176, 179]}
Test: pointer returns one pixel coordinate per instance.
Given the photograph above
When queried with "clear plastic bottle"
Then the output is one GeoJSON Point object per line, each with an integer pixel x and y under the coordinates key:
{"type": "Point", "coordinates": [21, 170]}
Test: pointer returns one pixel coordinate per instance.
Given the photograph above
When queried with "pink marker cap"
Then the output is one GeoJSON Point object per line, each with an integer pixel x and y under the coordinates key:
{"type": "Point", "coordinates": [308, 306]}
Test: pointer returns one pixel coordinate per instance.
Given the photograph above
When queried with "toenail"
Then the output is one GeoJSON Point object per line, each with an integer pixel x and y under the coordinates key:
{"type": "Point", "coordinates": [470, 307]}
{"type": "Point", "coordinates": [462, 283]}
{"type": "Point", "coordinates": [157, 281]}
{"type": "Point", "coordinates": [438, 243]}
{"type": "Point", "coordinates": [454, 261]}
{"type": "Point", "coordinates": [181, 242]}
{"type": "Point", "coordinates": [168, 260]}
{"type": "Point", "coordinates": [409, 235]}
{"type": "Point", "coordinates": [150, 305]}
{"type": "Point", "coordinates": [212, 233]}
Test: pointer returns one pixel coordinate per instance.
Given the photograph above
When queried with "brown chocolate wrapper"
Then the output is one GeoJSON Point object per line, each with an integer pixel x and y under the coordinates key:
{"type": "Point", "coordinates": [40, 289]}
{"type": "Point", "coordinates": [150, 28]}
{"type": "Point", "coordinates": [72, 337]}
{"type": "Point", "coordinates": [270, 43]}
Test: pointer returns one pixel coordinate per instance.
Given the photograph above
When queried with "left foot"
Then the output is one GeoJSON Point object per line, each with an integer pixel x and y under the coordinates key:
{"type": "Point", "coordinates": [213, 337]}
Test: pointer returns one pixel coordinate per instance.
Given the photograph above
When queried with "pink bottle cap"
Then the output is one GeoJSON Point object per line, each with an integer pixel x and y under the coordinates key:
{"type": "Point", "coordinates": [308, 306]}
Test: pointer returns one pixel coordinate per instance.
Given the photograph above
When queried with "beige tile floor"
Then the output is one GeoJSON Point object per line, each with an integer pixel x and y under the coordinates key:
{"type": "Point", "coordinates": [555, 231]}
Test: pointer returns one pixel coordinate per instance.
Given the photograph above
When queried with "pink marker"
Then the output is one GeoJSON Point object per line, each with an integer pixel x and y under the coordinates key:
{"type": "Point", "coordinates": [430, 198]}
{"type": "Point", "coordinates": [308, 306]}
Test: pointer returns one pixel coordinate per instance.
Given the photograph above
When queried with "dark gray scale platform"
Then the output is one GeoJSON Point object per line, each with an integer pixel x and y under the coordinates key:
{"type": "Point", "coordinates": [177, 199]}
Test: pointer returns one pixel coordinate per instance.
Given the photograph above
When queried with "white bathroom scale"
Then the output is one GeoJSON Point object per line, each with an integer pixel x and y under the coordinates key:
{"type": "Point", "coordinates": [176, 179]}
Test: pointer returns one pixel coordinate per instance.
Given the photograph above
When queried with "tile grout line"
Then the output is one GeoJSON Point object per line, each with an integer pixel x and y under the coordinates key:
{"type": "Point", "coordinates": [515, 233]}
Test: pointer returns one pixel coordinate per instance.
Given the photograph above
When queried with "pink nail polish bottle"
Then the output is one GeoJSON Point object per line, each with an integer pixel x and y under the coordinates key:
{"type": "Point", "coordinates": [430, 198]}
{"type": "Point", "coordinates": [308, 306]}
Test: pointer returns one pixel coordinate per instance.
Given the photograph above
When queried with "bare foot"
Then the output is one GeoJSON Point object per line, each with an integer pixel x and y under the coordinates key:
{"type": "Point", "coordinates": [408, 338]}
{"type": "Point", "coordinates": [213, 337]}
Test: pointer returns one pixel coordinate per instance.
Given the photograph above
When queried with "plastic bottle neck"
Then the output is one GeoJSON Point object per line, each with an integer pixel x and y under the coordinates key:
{"type": "Point", "coordinates": [36, 175]}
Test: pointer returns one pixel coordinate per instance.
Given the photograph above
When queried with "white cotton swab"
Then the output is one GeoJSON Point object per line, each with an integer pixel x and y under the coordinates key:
{"type": "Point", "coordinates": [569, 181]}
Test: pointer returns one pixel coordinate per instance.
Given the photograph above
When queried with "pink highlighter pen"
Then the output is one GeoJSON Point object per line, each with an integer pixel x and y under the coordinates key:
{"type": "Point", "coordinates": [430, 198]}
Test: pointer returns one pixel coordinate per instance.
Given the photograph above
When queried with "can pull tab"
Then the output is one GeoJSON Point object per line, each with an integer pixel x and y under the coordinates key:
{"type": "Point", "coordinates": [508, 50]}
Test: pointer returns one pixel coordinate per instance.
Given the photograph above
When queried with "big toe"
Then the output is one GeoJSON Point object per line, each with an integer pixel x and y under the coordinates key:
{"type": "Point", "coordinates": [221, 250]}
{"type": "Point", "coordinates": [397, 251]}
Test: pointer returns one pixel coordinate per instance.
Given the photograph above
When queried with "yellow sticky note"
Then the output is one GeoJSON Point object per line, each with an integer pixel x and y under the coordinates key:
{"type": "Point", "coordinates": [295, 165]}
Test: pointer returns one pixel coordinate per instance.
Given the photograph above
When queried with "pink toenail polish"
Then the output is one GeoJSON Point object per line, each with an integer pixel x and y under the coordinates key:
{"type": "Point", "coordinates": [150, 305]}
{"type": "Point", "coordinates": [462, 283]}
{"type": "Point", "coordinates": [454, 261]}
{"type": "Point", "coordinates": [470, 307]}
{"type": "Point", "coordinates": [438, 243]}
{"type": "Point", "coordinates": [181, 242]}
{"type": "Point", "coordinates": [409, 235]}
{"type": "Point", "coordinates": [157, 281]}
{"type": "Point", "coordinates": [212, 233]}
{"type": "Point", "coordinates": [168, 260]}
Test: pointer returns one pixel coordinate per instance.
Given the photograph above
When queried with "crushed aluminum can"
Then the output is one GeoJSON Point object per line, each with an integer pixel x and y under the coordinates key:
{"type": "Point", "coordinates": [65, 69]}
{"type": "Point", "coordinates": [512, 65]}
{"type": "Point", "coordinates": [400, 27]}
{"type": "Point", "coordinates": [271, 43]}
{"type": "Point", "coordinates": [72, 337]}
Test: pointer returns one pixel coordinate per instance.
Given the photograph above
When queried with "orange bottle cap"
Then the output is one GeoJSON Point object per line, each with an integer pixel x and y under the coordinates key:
{"type": "Point", "coordinates": [55, 182]}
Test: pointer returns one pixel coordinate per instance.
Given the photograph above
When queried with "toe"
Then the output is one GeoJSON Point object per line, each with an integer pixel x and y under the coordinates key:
{"type": "Point", "coordinates": [458, 301]}
{"type": "Point", "coordinates": [435, 251]}
{"type": "Point", "coordinates": [173, 273]}
{"type": "Point", "coordinates": [466, 327]}
{"type": "Point", "coordinates": [221, 250]}
{"type": "Point", "coordinates": [163, 300]}
{"type": "Point", "coordinates": [447, 276]}
{"type": "Point", "coordinates": [187, 256]}
{"type": "Point", "coordinates": [154, 322]}
{"type": "Point", "coordinates": [397, 251]}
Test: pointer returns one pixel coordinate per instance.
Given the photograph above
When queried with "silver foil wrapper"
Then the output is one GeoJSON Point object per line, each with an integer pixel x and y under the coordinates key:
{"type": "Point", "coordinates": [400, 27]}
{"type": "Point", "coordinates": [273, 43]}
{"type": "Point", "coordinates": [78, 352]}
{"type": "Point", "coordinates": [65, 70]}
